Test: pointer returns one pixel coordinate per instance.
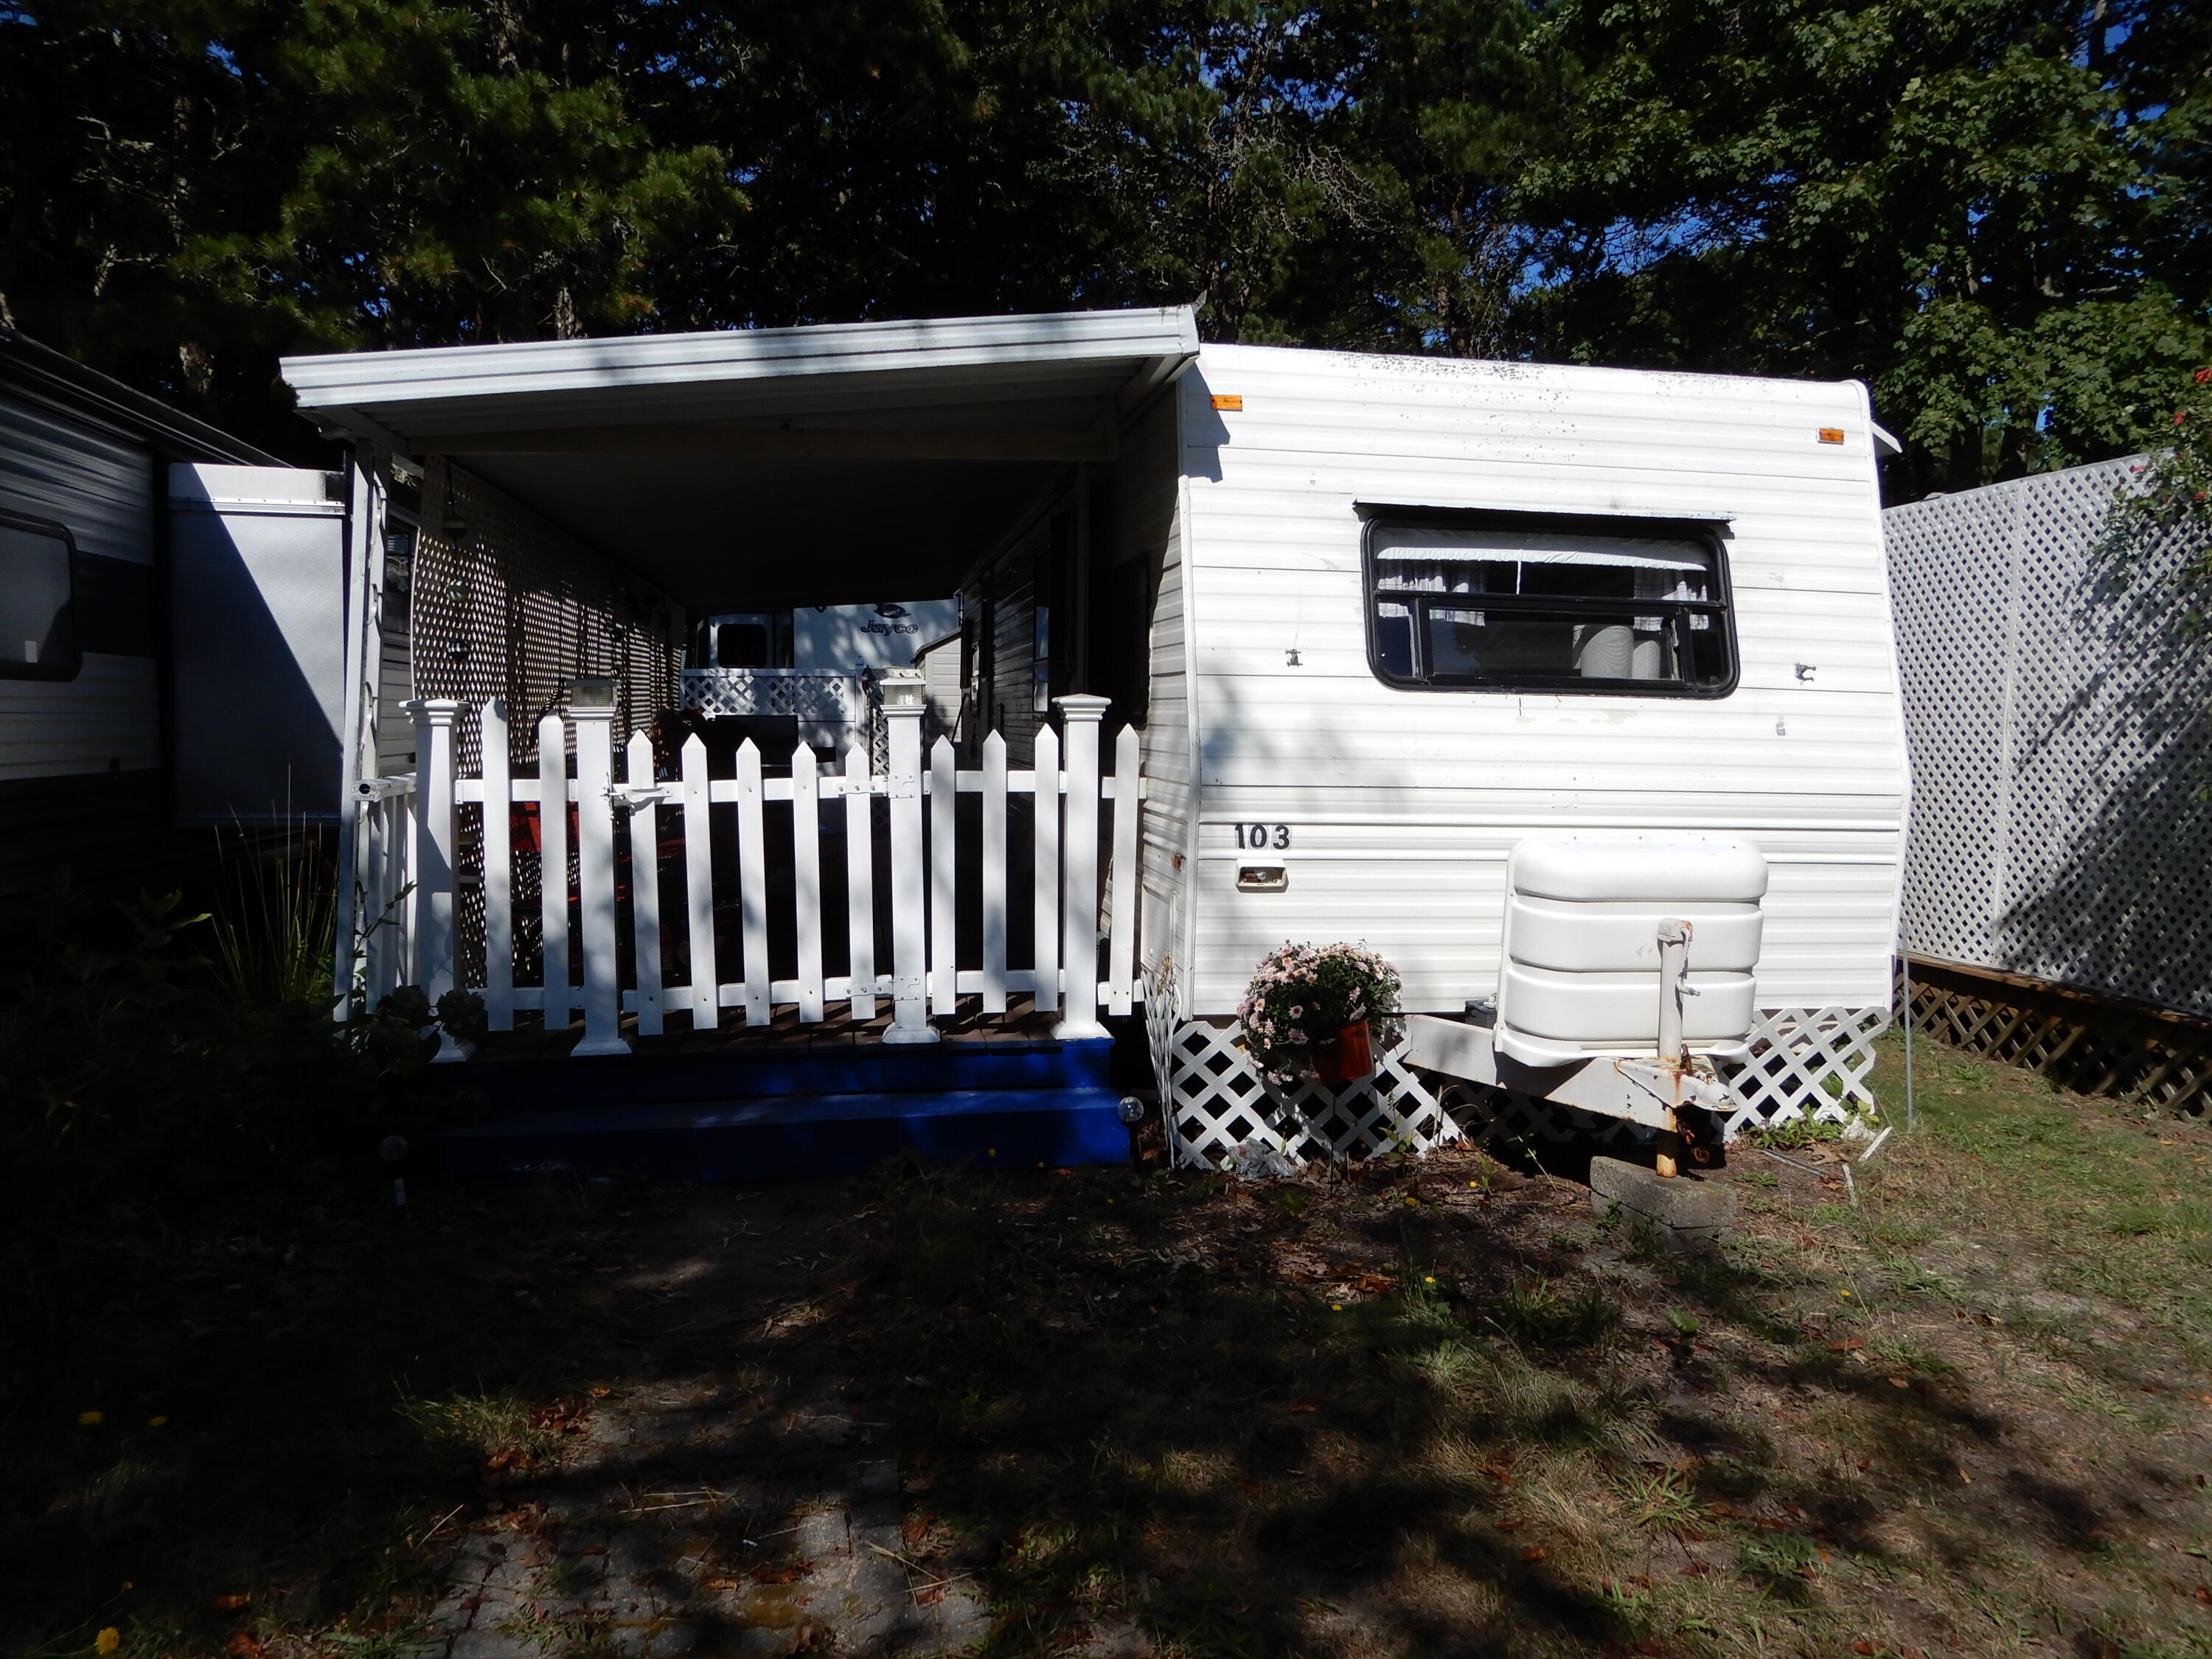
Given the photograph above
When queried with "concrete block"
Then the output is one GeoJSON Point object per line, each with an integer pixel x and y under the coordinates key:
{"type": "Point", "coordinates": [1687, 1208]}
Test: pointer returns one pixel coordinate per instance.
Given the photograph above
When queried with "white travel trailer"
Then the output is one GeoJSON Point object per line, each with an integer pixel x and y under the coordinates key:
{"type": "Point", "coordinates": [1412, 646]}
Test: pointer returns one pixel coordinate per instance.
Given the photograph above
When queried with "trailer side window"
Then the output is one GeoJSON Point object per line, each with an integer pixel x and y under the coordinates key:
{"type": "Point", "coordinates": [38, 631]}
{"type": "Point", "coordinates": [1554, 605]}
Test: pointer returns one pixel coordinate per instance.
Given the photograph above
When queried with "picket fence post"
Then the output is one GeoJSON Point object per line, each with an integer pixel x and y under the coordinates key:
{"type": "Point", "coordinates": [994, 874]}
{"type": "Point", "coordinates": [1079, 950]}
{"type": "Point", "coordinates": [592, 704]}
{"type": "Point", "coordinates": [753, 885]}
{"type": "Point", "coordinates": [943, 931]}
{"type": "Point", "coordinates": [1044, 989]}
{"type": "Point", "coordinates": [806, 873]}
{"type": "Point", "coordinates": [860, 883]}
{"type": "Point", "coordinates": [699, 888]}
{"type": "Point", "coordinates": [909, 955]}
{"type": "Point", "coordinates": [1129, 878]}
{"type": "Point", "coordinates": [645, 885]}
{"type": "Point", "coordinates": [498, 870]}
{"type": "Point", "coordinates": [433, 806]}
{"type": "Point", "coordinates": [553, 868]}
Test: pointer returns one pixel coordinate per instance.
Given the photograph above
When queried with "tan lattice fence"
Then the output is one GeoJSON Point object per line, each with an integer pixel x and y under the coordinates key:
{"type": "Point", "coordinates": [2091, 1045]}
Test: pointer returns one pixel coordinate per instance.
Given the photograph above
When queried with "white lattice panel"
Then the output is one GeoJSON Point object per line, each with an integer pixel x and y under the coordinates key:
{"type": "Point", "coordinates": [831, 697]}
{"type": "Point", "coordinates": [1219, 1110]}
{"type": "Point", "coordinates": [2058, 704]}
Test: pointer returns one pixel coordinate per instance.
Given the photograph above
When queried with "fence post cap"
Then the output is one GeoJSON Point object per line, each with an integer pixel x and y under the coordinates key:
{"type": "Point", "coordinates": [1083, 706]}
{"type": "Point", "coordinates": [433, 711]}
{"type": "Point", "coordinates": [592, 696]}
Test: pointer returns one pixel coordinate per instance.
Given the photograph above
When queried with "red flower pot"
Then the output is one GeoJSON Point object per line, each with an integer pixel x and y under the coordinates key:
{"type": "Point", "coordinates": [1345, 1057]}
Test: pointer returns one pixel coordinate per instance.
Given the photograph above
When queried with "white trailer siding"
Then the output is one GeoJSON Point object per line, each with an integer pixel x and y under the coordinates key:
{"type": "Point", "coordinates": [108, 718]}
{"type": "Point", "coordinates": [1401, 805]}
{"type": "Point", "coordinates": [1147, 526]}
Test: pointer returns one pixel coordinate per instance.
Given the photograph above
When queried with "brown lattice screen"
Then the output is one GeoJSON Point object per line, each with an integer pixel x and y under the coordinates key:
{"type": "Point", "coordinates": [506, 605]}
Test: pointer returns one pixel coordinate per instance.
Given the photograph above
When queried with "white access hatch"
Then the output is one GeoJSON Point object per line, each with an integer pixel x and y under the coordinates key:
{"type": "Point", "coordinates": [1583, 918]}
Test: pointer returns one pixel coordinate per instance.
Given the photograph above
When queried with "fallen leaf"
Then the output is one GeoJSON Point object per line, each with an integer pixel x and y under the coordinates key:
{"type": "Point", "coordinates": [1296, 1406]}
{"type": "Point", "coordinates": [227, 1603]}
{"type": "Point", "coordinates": [724, 1584]}
{"type": "Point", "coordinates": [1899, 1382]}
{"type": "Point", "coordinates": [1696, 1570]}
{"type": "Point", "coordinates": [1845, 1348]}
{"type": "Point", "coordinates": [1534, 1552]}
{"type": "Point", "coordinates": [242, 1646]}
{"type": "Point", "coordinates": [1861, 1647]}
{"type": "Point", "coordinates": [599, 1391]}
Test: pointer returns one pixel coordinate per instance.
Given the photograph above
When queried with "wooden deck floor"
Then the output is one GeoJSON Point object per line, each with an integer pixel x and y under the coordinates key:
{"type": "Point", "coordinates": [1020, 1024]}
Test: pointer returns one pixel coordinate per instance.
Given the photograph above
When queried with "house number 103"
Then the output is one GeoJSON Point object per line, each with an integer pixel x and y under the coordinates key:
{"type": "Point", "coordinates": [1256, 837]}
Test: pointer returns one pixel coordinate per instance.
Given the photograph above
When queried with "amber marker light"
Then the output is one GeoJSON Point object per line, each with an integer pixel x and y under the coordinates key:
{"type": "Point", "coordinates": [1831, 434]}
{"type": "Point", "coordinates": [1231, 401]}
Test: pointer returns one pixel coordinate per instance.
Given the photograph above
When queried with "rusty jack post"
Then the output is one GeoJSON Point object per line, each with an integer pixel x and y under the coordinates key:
{"type": "Point", "coordinates": [1674, 1056]}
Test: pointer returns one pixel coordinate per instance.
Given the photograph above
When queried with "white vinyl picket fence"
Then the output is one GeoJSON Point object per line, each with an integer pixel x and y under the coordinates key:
{"type": "Point", "coordinates": [947, 880]}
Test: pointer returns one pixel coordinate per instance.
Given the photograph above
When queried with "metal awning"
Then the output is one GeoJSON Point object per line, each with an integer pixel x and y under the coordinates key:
{"type": "Point", "coordinates": [956, 373]}
{"type": "Point", "coordinates": [893, 453]}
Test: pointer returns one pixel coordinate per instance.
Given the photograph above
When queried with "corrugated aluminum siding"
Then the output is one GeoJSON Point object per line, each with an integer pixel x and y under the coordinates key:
{"type": "Point", "coordinates": [1403, 805]}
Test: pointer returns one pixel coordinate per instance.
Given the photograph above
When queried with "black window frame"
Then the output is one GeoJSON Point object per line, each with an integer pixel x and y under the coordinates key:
{"type": "Point", "coordinates": [70, 666]}
{"type": "Point", "coordinates": [1379, 517]}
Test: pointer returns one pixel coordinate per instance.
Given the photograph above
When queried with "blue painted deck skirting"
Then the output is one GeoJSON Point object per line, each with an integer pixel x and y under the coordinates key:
{"type": "Point", "coordinates": [779, 1113]}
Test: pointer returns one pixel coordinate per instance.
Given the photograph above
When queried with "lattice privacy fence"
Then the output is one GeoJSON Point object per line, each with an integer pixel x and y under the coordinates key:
{"type": "Point", "coordinates": [832, 698]}
{"type": "Point", "coordinates": [2081, 1042]}
{"type": "Point", "coordinates": [505, 606]}
{"type": "Point", "coordinates": [1221, 1111]}
{"type": "Point", "coordinates": [2058, 705]}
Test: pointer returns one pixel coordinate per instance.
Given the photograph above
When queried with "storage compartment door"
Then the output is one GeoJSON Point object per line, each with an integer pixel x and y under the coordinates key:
{"type": "Point", "coordinates": [256, 641]}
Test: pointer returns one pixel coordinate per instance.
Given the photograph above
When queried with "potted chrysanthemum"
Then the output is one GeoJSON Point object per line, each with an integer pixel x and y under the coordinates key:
{"type": "Point", "coordinates": [1311, 1009]}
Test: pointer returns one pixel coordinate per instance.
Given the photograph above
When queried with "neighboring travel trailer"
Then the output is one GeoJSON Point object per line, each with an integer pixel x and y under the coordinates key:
{"type": "Point", "coordinates": [1502, 669]}
{"type": "Point", "coordinates": [806, 677]}
{"type": "Point", "coordinates": [170, 624]}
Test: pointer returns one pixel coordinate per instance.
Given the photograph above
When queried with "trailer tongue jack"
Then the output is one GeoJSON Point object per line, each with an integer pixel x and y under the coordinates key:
{"type": "Point", "coordinates": [1655, 1091]}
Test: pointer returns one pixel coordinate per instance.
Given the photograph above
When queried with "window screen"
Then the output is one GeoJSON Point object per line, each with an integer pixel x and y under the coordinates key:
{"type": "Point", "coordinates": [38, 632]}
{"type": "Point", "coordinates": [1556, 608]}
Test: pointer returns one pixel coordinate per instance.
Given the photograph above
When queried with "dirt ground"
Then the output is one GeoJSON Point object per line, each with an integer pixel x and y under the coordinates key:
{"type": "Point", "coordinates": [1438, 1407]}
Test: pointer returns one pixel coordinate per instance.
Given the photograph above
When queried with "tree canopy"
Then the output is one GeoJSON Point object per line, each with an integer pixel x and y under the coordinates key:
{"type": "Point", "coordinates": [1995, 211]}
